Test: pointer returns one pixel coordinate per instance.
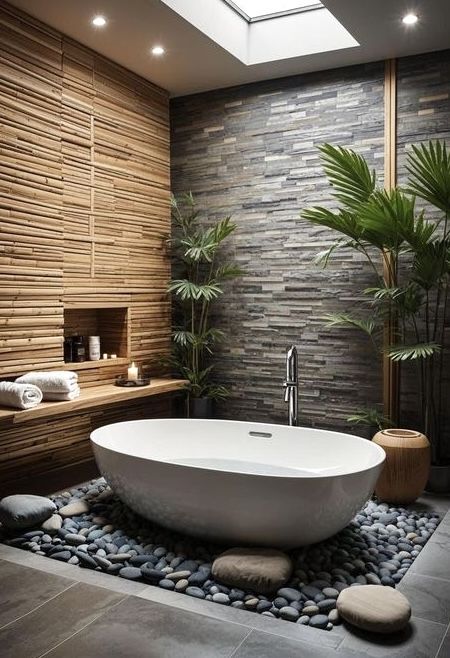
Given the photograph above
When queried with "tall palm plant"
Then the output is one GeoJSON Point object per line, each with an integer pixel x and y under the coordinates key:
{"type": "Point", "coordinates": [412, 285]}
{"type": "Point", "coordinates": [199, 274]}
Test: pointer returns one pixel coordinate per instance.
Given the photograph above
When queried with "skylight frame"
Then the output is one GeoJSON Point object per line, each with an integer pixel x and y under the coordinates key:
{"type": "Point", "coordinates": [315, 4]}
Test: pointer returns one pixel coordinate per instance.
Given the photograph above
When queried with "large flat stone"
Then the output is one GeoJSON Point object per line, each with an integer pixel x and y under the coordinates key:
{"type": "Point", "coordinates": [374, 608]}
{"type": "Point", "coordinates": [262, 570]}
{"type": "Point", "coordinates": [25, 510]}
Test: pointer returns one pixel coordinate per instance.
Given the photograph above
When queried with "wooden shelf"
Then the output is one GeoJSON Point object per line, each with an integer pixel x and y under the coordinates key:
{"type": "Point", "coordinates": [101, 363]}
{"type": "Point", "coordinates": [95, 396]}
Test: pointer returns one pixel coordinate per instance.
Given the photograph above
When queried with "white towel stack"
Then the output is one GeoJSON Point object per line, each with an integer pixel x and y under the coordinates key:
{"type": "Point", "coordinates": [19, 396]}
{"type": "Point", "coordinates": [58, 385]}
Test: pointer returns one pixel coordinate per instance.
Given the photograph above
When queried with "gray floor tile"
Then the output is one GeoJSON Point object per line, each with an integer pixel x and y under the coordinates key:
{"type": "Point", "coordinates": [429, 597]}
{"type": "Point", "coordinates": [263, 645]}
{"type": "Point", "coordinates": [23, 589]}
{"type": "Point", "coordinates": [250, 619]}
{"type": "Point", "coordinates": [420, 640]}
{"type": "Point", "coordinates": [434, 560]}
{"type": "Point", "coordinates": [444, 651]}
{"type": "Point", "coordinates": [51, 623]}
{"type": "Point", "coordinates": [142, 629]}
{"type": "Point", "coordinates": [431, 503]}
{"type": "Point", "coordinates": [72, 571]}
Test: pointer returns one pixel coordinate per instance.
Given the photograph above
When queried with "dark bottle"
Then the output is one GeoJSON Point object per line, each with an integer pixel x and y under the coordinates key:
{"type": "Point", "coordinates": [78, 349]}
{"type": "Point", "coordinates": [68, 349]}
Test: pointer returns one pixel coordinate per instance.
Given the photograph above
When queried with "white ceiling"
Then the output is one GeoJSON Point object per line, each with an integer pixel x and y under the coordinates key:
{"type": "Point", "coordinates": [195, 62]}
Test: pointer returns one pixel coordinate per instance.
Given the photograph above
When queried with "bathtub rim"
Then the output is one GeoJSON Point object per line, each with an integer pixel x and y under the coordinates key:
{"type": "Point", "coordinates": [94, 436]}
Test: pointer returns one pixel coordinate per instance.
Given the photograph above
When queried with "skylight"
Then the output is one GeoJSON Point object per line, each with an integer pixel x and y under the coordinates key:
{"type": "Point", "coordinates": [254, 9]}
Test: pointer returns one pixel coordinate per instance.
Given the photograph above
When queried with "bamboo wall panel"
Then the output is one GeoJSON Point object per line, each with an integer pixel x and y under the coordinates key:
{"type": "Point", "coordinates": [84, 217]}
{"type": "Point", "coordinates": [31, 196]}
{"type": "Point", "coordinates": [84, 197]}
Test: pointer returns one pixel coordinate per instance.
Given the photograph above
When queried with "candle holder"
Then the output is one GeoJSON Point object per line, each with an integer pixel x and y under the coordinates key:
{"type": "Point", "coordinates": [122, 380]}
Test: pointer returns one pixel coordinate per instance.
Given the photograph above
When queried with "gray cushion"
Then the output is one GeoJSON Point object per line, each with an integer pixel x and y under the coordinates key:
{"type": "Point", "coordinates": [374, 608]}
{"type": "Point", "coordinates": [25, 510]}
{"type": "Point", "coordinates": [262, 570]}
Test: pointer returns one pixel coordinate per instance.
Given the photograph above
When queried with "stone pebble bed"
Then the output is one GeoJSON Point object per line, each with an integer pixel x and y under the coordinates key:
{"type": "Point", "coordinates": [94, 529]}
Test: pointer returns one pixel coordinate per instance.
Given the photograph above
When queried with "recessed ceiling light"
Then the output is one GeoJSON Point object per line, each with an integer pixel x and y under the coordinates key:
{"type": "Point", "coordinates": [158, 51]}
{"type": "Point", "coordinates": [99, 21]}
{"type": "Point", "coordinates": [410, 19]}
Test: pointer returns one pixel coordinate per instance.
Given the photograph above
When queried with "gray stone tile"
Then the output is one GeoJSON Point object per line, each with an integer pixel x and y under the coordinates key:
{"type": "Point", "coordinates": [143, 629]}
{"type": "Point", "coordinates": [434, 560]}
{"type": "Point", "coordinates": [429, 597]}
{"type": "Point", "coordinates": [444, 649]}
{"type": "Point", "coordinates": [263, 645]}
{"type": "Point", "coordinates": [41, 563]}
{"type": "Point", "coordinates": [23, 589]}
{"type": "Point", "coordinates": [429, 502]}
{"type": "Point", "coordinates": [54, 621]}
{"type": "Point", "coordinates": [420, 640]}
{"type": "Point", "coordinates": [250, 619]}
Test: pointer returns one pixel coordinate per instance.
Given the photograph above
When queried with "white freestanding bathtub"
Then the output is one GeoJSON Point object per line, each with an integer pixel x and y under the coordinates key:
{"type": "Point", "coordinates": [239, 482]}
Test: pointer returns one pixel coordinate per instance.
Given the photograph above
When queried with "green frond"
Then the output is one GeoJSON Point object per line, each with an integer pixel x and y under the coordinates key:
{"type": "Point", "coordinates": [187, 290]}
{"type": "Point", "coordinates": [427, 267]}
{"type": "Point", "coordinates": [349, 175]}
{"type": "Point", "coordinates": [370, 418]}
{"type": "Point", "coordinates": [342, 221]}
{"type": "Point", "coordinates": [383, 293]}
{"type": "Point", "coordinates": [322, 257]}
{"type": "Point", "coordinates": [183, 338]}
{"type": "Point", "coordinates": [345, 320]}
{"type": "Point", "coordinates": [386, 217]}
{"type": "Point", "coordinates": [222, 230]}
{"type": "Point", "coordinates": [429, 173]}
{"type": "Point", "coordinates": [412, 352]}
{"type": "Point", "coordinates": [198, 248]}
{"type": "Point", "coordinates": [227, 271]}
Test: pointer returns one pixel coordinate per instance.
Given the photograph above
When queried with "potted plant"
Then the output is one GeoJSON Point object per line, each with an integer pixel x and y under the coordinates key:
{"type": "Point", "coordinates": [408, 251]}
{"type": "Point", "coordinates": [200, 269]}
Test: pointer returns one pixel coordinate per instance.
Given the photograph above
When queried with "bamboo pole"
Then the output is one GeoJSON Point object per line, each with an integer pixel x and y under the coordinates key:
{"type": "Point", "coordinates": [391, 381]}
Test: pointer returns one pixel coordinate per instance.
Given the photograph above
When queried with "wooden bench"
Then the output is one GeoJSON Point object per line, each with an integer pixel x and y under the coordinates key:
{"type": "Point", "coordinates": [94, 396]}
{"type": "Point", "coordinates": [43, 449]}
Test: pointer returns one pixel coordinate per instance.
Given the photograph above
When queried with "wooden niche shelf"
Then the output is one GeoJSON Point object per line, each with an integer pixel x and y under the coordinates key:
{"type": "Point", "coordinates": [111, 323]}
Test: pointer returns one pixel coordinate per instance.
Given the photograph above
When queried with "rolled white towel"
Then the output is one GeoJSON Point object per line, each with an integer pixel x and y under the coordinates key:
{"type": "Point", "coordinates": [19, 396]}
{"type": "Point", "coordinates": [56, 381]}
{"type": "Point", "coordinates": [60, 397]}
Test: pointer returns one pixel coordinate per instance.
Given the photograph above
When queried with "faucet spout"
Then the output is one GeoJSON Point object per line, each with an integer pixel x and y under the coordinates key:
{"type": "Point", "coordinates": [291, 385]}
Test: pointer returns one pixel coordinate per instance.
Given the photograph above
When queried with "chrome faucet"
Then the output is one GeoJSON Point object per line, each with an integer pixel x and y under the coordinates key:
{"type": "Point", "coordinates": [291, 384]}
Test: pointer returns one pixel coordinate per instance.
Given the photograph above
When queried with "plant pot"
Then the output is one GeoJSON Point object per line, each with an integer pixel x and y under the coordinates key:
{"type": "Point", "coordinates": [407, 465]}
{"type": "Point", "coordinates": [201, 408]}
{"type": "Point", "coordinates": [439, 479]}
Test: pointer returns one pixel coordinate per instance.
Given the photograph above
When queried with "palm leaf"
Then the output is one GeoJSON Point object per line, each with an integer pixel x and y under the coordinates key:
{"type": "Point", "coordinates": [371, 418]}
{"type": "Point", "coordinates": [183, 338]}
{"type": "Point", "coordinates": [349, 321]}
{"type": "Point", "coordinates": [428, 264]}
{"type": "Point", "coordinates": [198, 248]}
{"type": "Point", "coordinates": [227, 271]}
{"type": "Point", "coordinates": [189, 291]}
{"type": "Point", "coordinates": [222, 230]}
{"type": "Point", "coordinates": [349, 174]}
{"type": "Point", "coordinates": [386, 217]}
{"type": "Point", "coordinates": [343, 221]}
{"type": "Point", "coordinates": [411, 352]}
{"type": "Point", "coordinates": [322, 257]}
{"type": "Point", "coordinates": [429, 173]}
{"type": "Point", "coordinates": [383, 293]}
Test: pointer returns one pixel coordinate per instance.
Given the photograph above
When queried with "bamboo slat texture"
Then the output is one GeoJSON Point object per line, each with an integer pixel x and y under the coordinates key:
{"type": "Point", "coordinates": [84, 217]}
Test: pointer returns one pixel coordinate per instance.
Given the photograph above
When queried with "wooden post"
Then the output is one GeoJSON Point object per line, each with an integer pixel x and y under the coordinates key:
{"type": "Point", "coordinates": [390, 368]}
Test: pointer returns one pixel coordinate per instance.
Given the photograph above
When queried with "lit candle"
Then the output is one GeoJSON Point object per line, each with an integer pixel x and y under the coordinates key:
{"type": "Point", "coordinates": [105, 356]}
{"type": "Point", "coordinates": [113, 356]}
{"type": "Point", "coordinates": [133, 372]}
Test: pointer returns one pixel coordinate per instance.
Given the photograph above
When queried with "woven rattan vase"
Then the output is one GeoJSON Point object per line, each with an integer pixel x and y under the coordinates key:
{"type": "Point", "coordinates": [407, 465]}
